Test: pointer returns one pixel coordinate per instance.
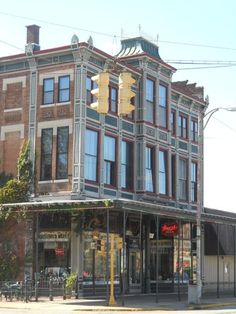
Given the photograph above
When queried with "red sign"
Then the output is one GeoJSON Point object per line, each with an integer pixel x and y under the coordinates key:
{"type": "Point", "coordinates": [59, 251]}
{"type": "Point", "coordinates": [170, 229]}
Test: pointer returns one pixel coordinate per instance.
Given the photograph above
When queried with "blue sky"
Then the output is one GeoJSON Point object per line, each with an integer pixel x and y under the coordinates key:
{"type": "Point", "coordinates": [198, 23]}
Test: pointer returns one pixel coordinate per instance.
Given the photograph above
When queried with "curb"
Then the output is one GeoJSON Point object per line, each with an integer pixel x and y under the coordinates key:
{"type": "Point", "coordinates": [211, 305]}
{"type": "Point", "coordinates": [139, 309]}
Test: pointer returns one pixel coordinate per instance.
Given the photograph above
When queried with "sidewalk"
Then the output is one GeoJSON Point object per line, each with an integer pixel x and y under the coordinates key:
{"type": "Point", "coordinates": [135, 303]}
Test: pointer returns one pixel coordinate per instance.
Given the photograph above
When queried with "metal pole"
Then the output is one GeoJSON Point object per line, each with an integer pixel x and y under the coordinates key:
{"type": "Point", "coordinates": [36, 257]}
{"type": "Point", "coordinates": [198, 215]}
{"type": "Point", "coordinates": [234, 261]}
{"type": "Point", "coordinates": [112, 300]}
{"type": "Point", "coordinates": [157, 266]}
{"type": "Point", "coordinates": [218, 262]}
{"type": "Point", "coordinates": [93, 274]}
{"type": "Point", "coordinates": [179, 261]}
{"type": "Point", "coordinates": [124, 268]}
{"type": "Point", "coordinates": [107, 257]}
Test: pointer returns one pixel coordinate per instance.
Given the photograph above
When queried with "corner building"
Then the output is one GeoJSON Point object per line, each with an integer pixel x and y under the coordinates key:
{"type": "Point", "coordinates": [135, 176]}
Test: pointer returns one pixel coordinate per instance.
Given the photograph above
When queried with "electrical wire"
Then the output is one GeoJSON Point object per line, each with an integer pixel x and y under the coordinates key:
{"type": "Point", "coordinates": [112, 35]}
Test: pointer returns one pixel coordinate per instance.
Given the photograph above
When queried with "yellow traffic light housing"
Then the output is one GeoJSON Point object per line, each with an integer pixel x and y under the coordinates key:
{"type": "Point", "coordinates": [125, 93]}
{"type": "Point", "coordinates": [101, 92]}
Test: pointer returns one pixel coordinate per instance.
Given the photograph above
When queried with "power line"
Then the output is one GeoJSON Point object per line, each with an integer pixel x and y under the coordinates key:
{"type": "Point", "coordinates": [114, 35]}
{"type": "Point", "coordinates": [207, 67]}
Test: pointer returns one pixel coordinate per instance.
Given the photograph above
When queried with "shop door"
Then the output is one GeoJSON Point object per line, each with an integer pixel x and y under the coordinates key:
{"type": "Point", "coordinates": [134, 271]}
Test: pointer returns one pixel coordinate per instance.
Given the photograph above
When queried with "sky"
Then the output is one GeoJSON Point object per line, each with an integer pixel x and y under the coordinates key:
{"type": "Point", "coordinates": [185, 30]}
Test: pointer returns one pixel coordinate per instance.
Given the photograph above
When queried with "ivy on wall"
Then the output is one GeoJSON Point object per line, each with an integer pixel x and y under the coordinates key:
{"type": "Point", "coordinates": [16, 190]}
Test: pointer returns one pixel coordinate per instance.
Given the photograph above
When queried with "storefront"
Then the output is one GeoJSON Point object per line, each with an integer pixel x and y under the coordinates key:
{"type": "Point", "coordinates": [149, 251]}
{"type": "Point", "coordinates": [54, 240]}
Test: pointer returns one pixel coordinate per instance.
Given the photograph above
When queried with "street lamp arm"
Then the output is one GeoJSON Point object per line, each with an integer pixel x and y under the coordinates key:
{"type": "Point", "coordinates": [210, 113]}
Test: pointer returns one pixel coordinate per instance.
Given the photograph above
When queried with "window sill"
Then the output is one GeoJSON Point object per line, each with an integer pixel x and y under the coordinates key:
{"type": "Point", "coordinates": [66, 103]}
{"type": "Point", "coordinates": [60, 180]}
{"type": "Point", "coordinates": [47, 105]}
{"type": "Point", "coordinates": [45, 182]}
{"type": "Point", "coordinates": [12, 109]}
{"type": "Point", "coordinates": [54, 181]}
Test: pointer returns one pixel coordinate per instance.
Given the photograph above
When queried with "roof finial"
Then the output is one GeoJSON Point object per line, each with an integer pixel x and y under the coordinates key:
{"type": "Point", "coordinates": [139, 29]}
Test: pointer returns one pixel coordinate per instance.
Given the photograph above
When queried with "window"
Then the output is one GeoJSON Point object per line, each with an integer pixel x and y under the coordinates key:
{"type": "Point", "coordinates": [109, 160]}
{"type": "Point", "coordinates": [48, 91]}
{"type": "Point", "coordinates": [126, 165]}
{"type": "Point", "coordinates": [62, 152]}
{"type": "Point", "coordinates": [149, 169]}
{"type": "Point", "coordinates": [150, 101]}
{"type": "Point", "coordinates": [91, 155]}
{"type": "Point", "coordinates": [173, 122]}
{"type": "Point", "coordinates": [89, 86]}
{"type": "Point", "coordinates": [46, 154]}
{"type": "Point", "coordinates": [183, 126]}
{"type": "Point", "coordinates": [64, 88]}
{"type": "Point", "coordinates": [113, 99]}
{"type": "Point", "coordinates": [162, 172]}
{"type": "Point", "coordinates": [194, 130]}
{"type": "Point", "coordinates": [183, 179]}
{"type": "Point", "coordinates": [193, 181]}
{"type": "Point", "coordinates": [163, 106]}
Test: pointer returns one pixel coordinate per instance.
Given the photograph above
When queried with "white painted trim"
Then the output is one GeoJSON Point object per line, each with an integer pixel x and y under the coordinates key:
{"type": "Point", "coordinates": [12, 110]}
{"type": "Point", "coordinates": [54, 124]}
{"type": "Point", "coordinates": [56, 74]}
{"type": "Point", "coordinates": [12, 80]}
{"type": "Point", "coordinates": [47, 106]}
{"type": "Point", "coordinates": [63, 103]}
{"type": "Point", "coordinates": [61, 181]}
{"type": "Point", "coordinates": [45, 182]}
{"type": "Point", "coordinates": [12, 128]}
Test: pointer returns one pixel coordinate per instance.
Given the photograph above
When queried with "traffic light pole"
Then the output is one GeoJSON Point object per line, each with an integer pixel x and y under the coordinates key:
{"type": "Point", "coordinates": [112, 300]}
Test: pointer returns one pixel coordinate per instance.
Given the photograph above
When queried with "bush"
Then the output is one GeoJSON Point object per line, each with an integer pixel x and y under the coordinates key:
{"type": "Point", "coordinates": [9, 266]}
{"type": "Point", "coordinates": [4, 177]}
{"type": "Point", "coordinates": [14, 192]}
{"type": "Point", "coordinates": [70, 282]}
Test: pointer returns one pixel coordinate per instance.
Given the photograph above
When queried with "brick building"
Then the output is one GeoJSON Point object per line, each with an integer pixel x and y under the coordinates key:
{"type": "Point", "coordinates": [149, 163]}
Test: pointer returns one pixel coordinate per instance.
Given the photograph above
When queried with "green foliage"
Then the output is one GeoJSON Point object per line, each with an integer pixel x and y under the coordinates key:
{"type": "Point", "coordinates": [4, 178]}
{"type": "Point", "coordinates": [70, 282]}
{"type": "Point", "coordinates": [14, 192]}
{"type": "Point", "coordinates": [24, 164]}
{"type": "Point", "coordinates": [9, 266]}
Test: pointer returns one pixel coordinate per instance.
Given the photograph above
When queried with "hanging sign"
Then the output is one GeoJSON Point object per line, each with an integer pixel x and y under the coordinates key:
{"type": "Point", "coordinates": [170, 229]}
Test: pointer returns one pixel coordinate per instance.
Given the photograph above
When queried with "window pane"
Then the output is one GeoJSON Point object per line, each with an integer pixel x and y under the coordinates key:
{"type": "Point", "coordinates": [126, 165]}
{"type": "Point", "coordinates": [162, 96]}
{"type": "Point", "coordinates": [64, 82]}
{"type": "Point", "coordinates": [62, 152]}
{"type": "Point", "coordinates": [150, 90]}
{"type": "Point", "coordinates": [91, 138]}
{"type": "Point", "coordinates": [162, 173]}
{"type": "Point", "coordinates": [149, 170]}
{"type": "Point", "coordinates": [113, 99]}
{"type": "Point", "coordinates": [48, 91]}
{"type": "Point", "coordinates": [91, 146]}
{"type": "Point", "coordinates": [149, 112]}
{"type": "Point", "coordinates": [46, 154]}
{"type": "Point", "coordinates": [109, 160]}
{"type": "Point", "coordinates": [64, 88]}
{"type": "Point", "coordinates": [109, 148]}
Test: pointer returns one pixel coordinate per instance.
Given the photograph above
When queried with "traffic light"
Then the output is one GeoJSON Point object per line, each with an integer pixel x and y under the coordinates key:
{"type": "Point", "coordinates": [125, 93]}
{"type": "Point", "coordinates": [101, 92]}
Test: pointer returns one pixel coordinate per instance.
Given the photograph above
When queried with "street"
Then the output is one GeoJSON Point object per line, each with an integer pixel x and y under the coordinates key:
{"type": "Point", "coordinates": [69, 307]}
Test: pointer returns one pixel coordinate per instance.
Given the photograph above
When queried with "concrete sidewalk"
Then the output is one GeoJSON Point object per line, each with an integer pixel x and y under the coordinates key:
{"type": "Point", "coordinates": [135, 303]}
